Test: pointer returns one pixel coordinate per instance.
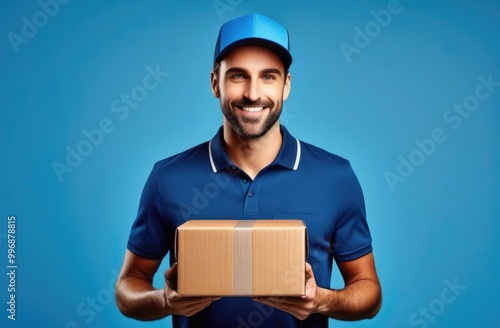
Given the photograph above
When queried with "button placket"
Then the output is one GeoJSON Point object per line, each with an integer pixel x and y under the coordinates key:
{"type": "Point", "coordinates": [251, 206]}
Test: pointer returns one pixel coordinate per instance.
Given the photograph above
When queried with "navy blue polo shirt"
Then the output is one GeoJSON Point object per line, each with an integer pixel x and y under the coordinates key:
{"type": "Point", "coordinates": [303, 182]}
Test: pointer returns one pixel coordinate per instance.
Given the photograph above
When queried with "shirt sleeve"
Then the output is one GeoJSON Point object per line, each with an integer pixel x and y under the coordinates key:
{"type": "Point", "coordinates": [352, 237]}
{"type": "Point", "coordinates": [148, 236]}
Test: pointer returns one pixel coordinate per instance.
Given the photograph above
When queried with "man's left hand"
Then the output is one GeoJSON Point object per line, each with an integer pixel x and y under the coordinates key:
{"type": "Point", "coordinates": [300, 307]}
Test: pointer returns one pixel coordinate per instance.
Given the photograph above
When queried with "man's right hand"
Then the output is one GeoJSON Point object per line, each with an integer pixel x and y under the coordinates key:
{"type": "Point", "coordinates": [137, 298]}
{"type": "Point", "coordinates": [176, 304]}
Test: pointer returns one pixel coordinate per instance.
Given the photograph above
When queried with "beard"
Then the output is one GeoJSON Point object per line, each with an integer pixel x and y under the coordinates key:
{"type": "Point", "coordinates": [240, 124]}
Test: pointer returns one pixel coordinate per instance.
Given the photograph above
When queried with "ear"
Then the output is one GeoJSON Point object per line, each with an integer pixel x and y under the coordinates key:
{"type": "Point", "coordinates": [287, 87]}
{"type": "Point", "coordinates": [214, 82]}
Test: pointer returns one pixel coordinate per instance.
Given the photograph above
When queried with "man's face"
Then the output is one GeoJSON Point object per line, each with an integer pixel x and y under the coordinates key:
{"type": "Point", "coordinates": [252, 86]}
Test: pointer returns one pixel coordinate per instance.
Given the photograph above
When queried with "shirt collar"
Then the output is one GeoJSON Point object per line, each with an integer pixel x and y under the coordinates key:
{"type": "Point", "coordinates": [288, 156]}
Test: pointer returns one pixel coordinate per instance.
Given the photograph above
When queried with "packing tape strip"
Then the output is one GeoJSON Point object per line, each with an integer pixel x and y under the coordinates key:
{"type": "Point", "coordinates": [242, 257]}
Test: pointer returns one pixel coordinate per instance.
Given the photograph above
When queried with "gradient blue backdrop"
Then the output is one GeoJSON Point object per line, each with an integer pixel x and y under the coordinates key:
{"type": "Point", "coordinates": [64, 76]}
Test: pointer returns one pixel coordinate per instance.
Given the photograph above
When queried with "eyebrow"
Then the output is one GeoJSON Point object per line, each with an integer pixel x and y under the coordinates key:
{"type": "Point", "coordinates": [272, 71]}
{"type": "Point", "coordinates": [243, 70]}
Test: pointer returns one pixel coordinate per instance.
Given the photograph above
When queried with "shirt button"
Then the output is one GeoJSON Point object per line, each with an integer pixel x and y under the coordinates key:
{"type": "Point", "coordinates": [244, 180]}
{"type": "Point", "coordinates": [250, 193]}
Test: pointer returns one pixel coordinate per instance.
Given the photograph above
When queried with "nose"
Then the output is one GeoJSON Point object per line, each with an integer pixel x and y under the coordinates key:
{"type": "Point", "coordinates": [252, 91]}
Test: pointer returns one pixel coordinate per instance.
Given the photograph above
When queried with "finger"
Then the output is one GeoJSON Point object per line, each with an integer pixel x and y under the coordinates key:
{"type": "Point", "coordinates": [171, 272]}
{"type": "Point", "coordinates": [176, 301]}
{"type": "Point", "coordinates": [293, 309]}
{"type": "Point", "coordinates": [171, 276]}
{"type": "Point", "coordinates": [182, 302]}
{"type": "Point", "coordinates": [191, 305]}
{"type": "Point", "coordinates": [286, 300]}
{"type": "Point", "coordinates": [310, 283]}
{"type": "Point", "coordinates": [309, 272]}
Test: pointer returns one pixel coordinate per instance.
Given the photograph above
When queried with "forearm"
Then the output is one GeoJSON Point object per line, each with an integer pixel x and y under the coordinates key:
{"type": "Point", "coordinates": [139, 300]}
{"type": "Point", "coordinates": [359, 300]}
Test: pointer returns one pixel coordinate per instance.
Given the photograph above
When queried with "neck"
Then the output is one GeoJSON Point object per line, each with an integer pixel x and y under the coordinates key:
{"type": "Point", "coordinates": [252, 155]}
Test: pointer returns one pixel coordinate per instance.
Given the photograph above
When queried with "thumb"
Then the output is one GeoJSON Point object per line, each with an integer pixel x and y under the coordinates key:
{"type": "Point", "coordinates": [309, 272]}
{"type": "Point", "coordinates": [171, 276]}
{"type": "Point", "coordinates": [310, 281]}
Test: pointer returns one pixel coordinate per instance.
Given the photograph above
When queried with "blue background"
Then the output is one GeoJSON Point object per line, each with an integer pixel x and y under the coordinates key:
{"type": "Point", "coordinates": [439, 225]}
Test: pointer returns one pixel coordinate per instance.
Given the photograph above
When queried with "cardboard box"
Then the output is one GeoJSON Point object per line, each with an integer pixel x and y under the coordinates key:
{"type": "Point", "coordinates": [241, 258]}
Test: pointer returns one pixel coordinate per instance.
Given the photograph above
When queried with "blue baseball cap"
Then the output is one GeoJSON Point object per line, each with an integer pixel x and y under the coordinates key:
{"type": "Point", "coordinates": [254, 29]}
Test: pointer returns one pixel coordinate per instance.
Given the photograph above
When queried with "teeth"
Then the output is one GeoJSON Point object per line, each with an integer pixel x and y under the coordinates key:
{"type": "Point", "coordinates": [252, 109]}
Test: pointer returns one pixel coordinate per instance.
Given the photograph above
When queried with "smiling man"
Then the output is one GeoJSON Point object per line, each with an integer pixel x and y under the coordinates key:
{"type": "Point", "coordinates": [260, 171]}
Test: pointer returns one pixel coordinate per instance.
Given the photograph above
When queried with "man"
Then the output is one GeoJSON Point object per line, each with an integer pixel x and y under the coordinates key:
{"type": "Point", "coordinates": [253, 168]}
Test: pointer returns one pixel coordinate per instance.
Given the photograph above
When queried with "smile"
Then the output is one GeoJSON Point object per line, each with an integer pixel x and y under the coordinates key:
{"type": "Point", "coordinates": [252, 109]}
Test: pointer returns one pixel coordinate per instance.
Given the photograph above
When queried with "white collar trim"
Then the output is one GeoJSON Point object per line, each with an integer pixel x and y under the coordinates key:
{"type": "Point", "coordinates": [214, 168]}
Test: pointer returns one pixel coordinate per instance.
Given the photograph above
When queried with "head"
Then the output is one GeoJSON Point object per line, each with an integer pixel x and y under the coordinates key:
{"type": "Point", "coordinates": [250, 74]}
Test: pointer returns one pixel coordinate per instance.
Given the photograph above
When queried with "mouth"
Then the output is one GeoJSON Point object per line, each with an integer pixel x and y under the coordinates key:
{"type": "Point", "coordinates": [251, 109]}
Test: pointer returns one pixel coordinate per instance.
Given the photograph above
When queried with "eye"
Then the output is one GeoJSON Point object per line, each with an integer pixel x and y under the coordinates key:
{"type": "Point", "coordinates": [268, 77]}
{"type": "Point", "coordinates": [237, 76]}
